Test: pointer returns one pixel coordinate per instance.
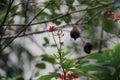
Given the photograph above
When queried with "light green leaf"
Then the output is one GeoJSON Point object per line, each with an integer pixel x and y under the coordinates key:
{"type": "Point", "coordinates": [49, 59]}
{"type": "Point", "coordinates": [66, 53]}
{"type": "Point", "coordinates": [49, 76]}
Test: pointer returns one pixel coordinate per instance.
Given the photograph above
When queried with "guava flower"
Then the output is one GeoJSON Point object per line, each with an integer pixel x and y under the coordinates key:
{"type": "Point", "coordinates": [69, 76]}
{"type": "Point", "coordinates": [52, 28]}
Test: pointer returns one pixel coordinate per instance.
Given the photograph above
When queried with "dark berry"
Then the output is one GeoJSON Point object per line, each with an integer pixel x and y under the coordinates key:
{"type": "Point", "coordinates": [75, 33]}
{"type": "Point", "coordinates": [88, 47]}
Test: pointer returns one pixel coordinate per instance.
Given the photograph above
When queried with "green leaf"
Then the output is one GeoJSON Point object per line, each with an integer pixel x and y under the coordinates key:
{"type": "Point", "coordinates": [91, 67]}
{"type": "Point", "coordinates": [57, 22]}
{"type": "Point", "coordinates": [41, 65]}
{"type": "Point", "coordinates": [58, 1]}
{"type": "Point", "coordinates": [49, 59]}
{"type": "Point", "coordinates": [69, 1]}
{"type": "Point", "coordinates": [108, 25]}
{"type": "Point", "coordinates": [89, 29]}
{"type": "Point", "coordinates": [72, 8]}
{"type": "Point", "coordinates": [116, 49]}
{"type": "Point", "coordinates": [49, 76]}
{"type": "Point", "coordinates": [46, 41]}
{"type": "Point", "coordinates": [95, 22]}
{"type": "Point", "coordinates": [67, 19]}
{"type": "Point", "coordinates": [69, 63]}
{"type": "Point", "coordinates": [53, 45]}
{"type": "Point", "coordinates": [79, 72]}
{"type": "Point", "coordinates": [14, 8]}
{"type": "Point", "coordinates": [66, 53]}
{"type": "Point", "coordinates": [88, 2]}
{"type": "Point", "coordinates": [37, 28]}
{"type": "Point", "coordinates": [44, 16]}
{"type": "Point", "coordinates": [104, 56]}
{"type": "Point", "coordinates": [2, 14]}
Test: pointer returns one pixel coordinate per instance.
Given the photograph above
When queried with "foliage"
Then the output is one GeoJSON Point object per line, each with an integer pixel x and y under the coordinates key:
{"type": "Point", "coordinates": [106, 65]}
{"type": "Point", "coordinates": [87, 16]}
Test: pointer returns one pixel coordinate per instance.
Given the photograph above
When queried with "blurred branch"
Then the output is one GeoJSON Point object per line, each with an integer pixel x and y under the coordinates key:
{"type": "Point", "coordinates": [30, 23]}
{"type": "Point", "coordinates": [58, 17]}
{"type": "Point", "coordinates": [7, 12]}
{"type": "Point", "coordinates": [101, 41]}
{"type": "Point", "coordinates": [39, 32]}
{"type": "Point", "coordinates": [25, 27]}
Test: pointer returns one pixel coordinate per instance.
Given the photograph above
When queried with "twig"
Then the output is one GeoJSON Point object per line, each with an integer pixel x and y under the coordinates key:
{"type": "Point", "coordinates": [7, 12]}
{"type": "Point", "coordinates": [23, 29]}
{"type": "Point", "coordinates": [58, 17]}
{"type": "Point", "coordinates": [101, 41]}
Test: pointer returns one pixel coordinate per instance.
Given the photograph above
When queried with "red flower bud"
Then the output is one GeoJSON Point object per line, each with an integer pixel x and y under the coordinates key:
{"type": "Point", "coordinates": [75, 76]}
{"type": "Point", "coordinates": [108, 13]}
{"type": "Point", "coordinates": [69, 76]}
{"type": "Point", "coordinates": [52, 28]}
{"type": "Point", "coordinates": [118, 16]}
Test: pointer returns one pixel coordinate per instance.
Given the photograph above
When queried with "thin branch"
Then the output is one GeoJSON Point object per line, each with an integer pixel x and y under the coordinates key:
{"type": "Point", "coordinates": [101, 41]}
{"type": "Point", "coordinates": [7, 12]}
{"type": "Point", "coordinates": [24, 28]}
{"type": "Point", "coordinates": [58, 17]}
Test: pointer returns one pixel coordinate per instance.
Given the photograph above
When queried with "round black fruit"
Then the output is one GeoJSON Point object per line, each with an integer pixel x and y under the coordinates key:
{"type": "Point", "coordinates": [88, 47]}
{"type": "Point", "coordinates": [75, 33]}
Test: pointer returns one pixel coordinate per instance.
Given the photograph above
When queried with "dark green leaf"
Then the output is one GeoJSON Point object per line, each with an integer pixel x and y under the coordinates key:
{"type": "Point", "coordinates": [67, 19]}
{"type": "Point", "coordinates": [14, 8]}
{"type": "Point", "coordinates": [49, 76]}
{"type": "Point", "coordinates": [53, 45]}
{"type": "Point", "coordinates": [69, 64]}
{"type": "Point", "coordinates": [58, 1]}
{"type": "Point", "coordinates": [69, 1]}
{"type": "Point", "coordinates": [91, 67]}
{"type": "Point", "coordinates": [57, 22]}
{"type": "Point", "coordinates": [2, 14]}
{"type": "Point", "coordinates": [79, 72]}
{"type": "Point", "coordinates": [95, 22]}
{"type": "Point", "coordinates": [41, 65]}
{"type": "Point", "coordinates": [46, 41]}
{"type": "Point", "coordinates": [108, 25]}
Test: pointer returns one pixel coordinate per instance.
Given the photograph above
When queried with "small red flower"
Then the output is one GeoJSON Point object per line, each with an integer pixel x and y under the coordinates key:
{"type": "Point", "coordinates": [108, 13]}
{"type": "Point", "coordinates": [52, 28]}
{"type": "Point", "coordinates": [75, 76]}
{"type": "Point", "coordinates": [118, 16]}
{"type": "Point", "coordinates": [62, 77]}
{"type": "Point", "coordinates": [69, 76]}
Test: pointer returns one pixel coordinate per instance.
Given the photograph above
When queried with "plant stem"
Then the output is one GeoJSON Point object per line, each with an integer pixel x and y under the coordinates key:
{"type": "Point", "coordinates": [59, 52]}
{"type": "Point", "coordinates": [101, 41]}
